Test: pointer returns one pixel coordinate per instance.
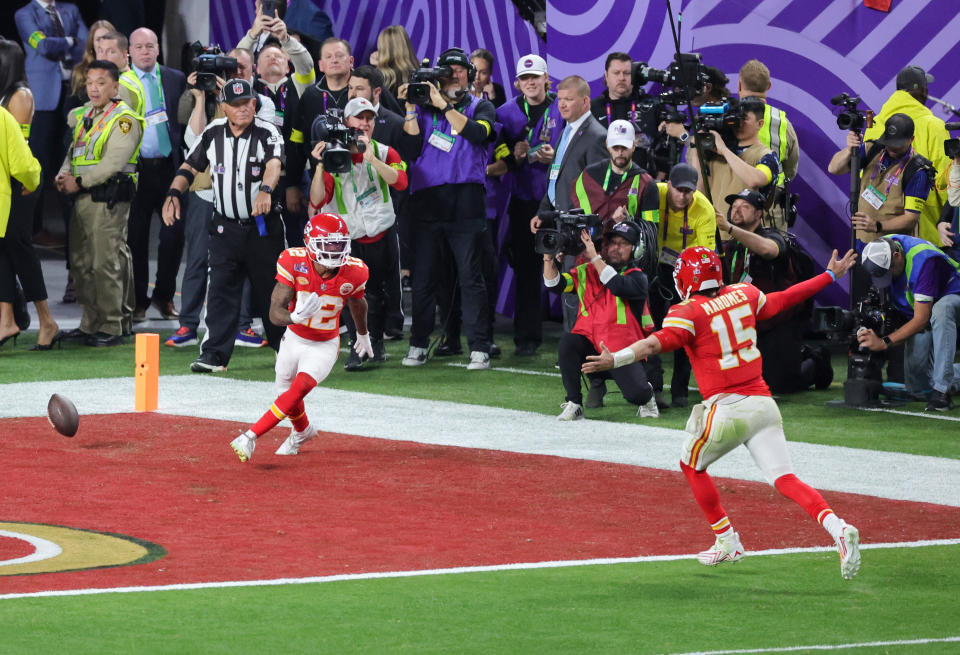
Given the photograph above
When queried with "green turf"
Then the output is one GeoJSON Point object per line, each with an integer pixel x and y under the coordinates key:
{"type": "Point", "coordinates": [664, 607]}
{"type": "Point", "coordinates": [806, 415]}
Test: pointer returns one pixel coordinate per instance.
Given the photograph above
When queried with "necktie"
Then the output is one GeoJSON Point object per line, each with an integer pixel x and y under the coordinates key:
{"type": "Point", "coordinates": [557, 160]}
{"type": "Point", "coordinates": [163, 134]}
{"type": "Point", "coordinates": [55, 17]}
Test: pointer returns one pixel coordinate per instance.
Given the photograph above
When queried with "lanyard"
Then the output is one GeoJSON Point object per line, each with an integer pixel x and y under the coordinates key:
{"type": "Point", "coordinates": [96, 128]}
{"type": "Point", "coordinates": [353, 180]}
{"type": "Point", "coordinates": [435, 122]}
{"type": "Point", "coordinates": [606, 179]}
{"type": "Point", "coordinates": [526, 111]}
{"type": "Point", "coordinates": [633, 113]}
{"type": "Point", "coordinates": [666, 226]}
{"type": "Point", "coordinates": [160, 85]}
{"type": "Point", "coordinates": [896, 176]}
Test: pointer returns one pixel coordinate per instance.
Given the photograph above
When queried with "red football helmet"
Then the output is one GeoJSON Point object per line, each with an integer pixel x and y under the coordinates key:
{"type": "Point", "coordinates": [327, 240]}
{"type": "Point", "coordinates": [697, 269]}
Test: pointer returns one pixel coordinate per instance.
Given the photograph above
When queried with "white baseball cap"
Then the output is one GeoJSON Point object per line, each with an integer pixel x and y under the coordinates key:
{"type": "Point", "coordinates": [877, 257]}
{"type": "Point", "coordinates": [621, 133]}
{"type": "Point", "coordinates": [531, 65]}
{"type": "Point", "coordinates": [357, 106]}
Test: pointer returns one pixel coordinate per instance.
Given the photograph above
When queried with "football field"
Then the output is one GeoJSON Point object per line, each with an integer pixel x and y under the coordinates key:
{"type": "Point", "coordinates": [441, 511]}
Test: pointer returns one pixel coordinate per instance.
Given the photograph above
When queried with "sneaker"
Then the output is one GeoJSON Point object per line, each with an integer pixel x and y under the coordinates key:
{"type": "Point", "coordinates": [848, 545]}
{"type": "Point", "coordinates": [415, 357]}
{"type": "Point", "coordinates": [207, 363]}
{"type": "Point", "coordinates": [661, 401]}
{"type": "Point", "coordinates": [571, 412]}
{"type": "Point", "coordinates": [680, 402]}
{"type": "Point", "coordinates": [249, 339]}
{"type": "Point", "coordinates": [649, 409]}
{"type": "Point", "coordinates": [495, 351]}
{"type": "Point", "coordinates": [243, 446]}
{"type": "Point", "coordinates": [353, 363]}
{"type": "Point", "coordinates": [379, 351]}
{"type": "Point", "coordinates": [478, 361]}
{"type": "Point", "coordinates": [448, 349]}
{"type": "Point", "coordinates": [728, 549]}
{"type": "Point", "coordinates": [598, 389]}
{"type": "Point", "coordinates": [182, 337]}
{"type": "Point", "coordinates": [939, 402]}
{"type": "Point", "coordinates": [392, 334]}
{"type": "Point", "coordinates": [296, 439]}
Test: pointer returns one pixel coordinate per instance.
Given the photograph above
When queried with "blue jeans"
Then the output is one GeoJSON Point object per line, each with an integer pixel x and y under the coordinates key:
{"type": "Point", "coordinates": [929, 355]}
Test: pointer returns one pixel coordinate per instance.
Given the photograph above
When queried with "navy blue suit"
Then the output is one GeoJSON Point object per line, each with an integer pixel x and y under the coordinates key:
{"type": "Point", "coordinates": [44, 51]}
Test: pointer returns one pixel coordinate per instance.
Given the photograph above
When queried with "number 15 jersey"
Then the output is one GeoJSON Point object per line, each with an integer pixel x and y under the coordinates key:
{"type": "Point", "coordinates": [295, 269]}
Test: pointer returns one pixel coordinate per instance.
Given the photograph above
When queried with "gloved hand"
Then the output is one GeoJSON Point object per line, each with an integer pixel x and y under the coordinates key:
{"type": "Point", "coordinates": [306, 307]}
{"type": "Point", "coordinates": [363, 345]}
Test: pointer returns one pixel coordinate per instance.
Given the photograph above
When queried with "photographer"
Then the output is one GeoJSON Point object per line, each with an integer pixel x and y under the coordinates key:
{"type": "Point", "coordinates": [361, 199]}
{"type": "Point", "coordinates": [447, 199]}
{"type": "Point", "coordinates": [246, 233]}
{"type": "Point", "coordinates": [777, 134]}
{"type": "Point", "coordinates": [744, 164]}
{"type": "Point", "coordinates": [621, 100]}
{"type": "Point", "coordinates": [761, 255]}
{"type": "Point", "coordinates": [925, 287]}
{"type": "Point", "coordinates": [268, 27]}
{"type": "Point", "coordinates": [612, 293]}
{"type": "Point", "coordinates": [894, 180]}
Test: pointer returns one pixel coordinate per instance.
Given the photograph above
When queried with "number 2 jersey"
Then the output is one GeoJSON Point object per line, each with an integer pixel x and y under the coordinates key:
{"type": "Point", "coordinates": [720, 333]}
{"type": "Point", "coordinates": [295, 269]}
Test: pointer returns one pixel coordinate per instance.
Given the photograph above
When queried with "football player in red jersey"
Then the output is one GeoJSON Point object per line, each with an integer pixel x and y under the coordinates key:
{"type": "Point", "coordinates": [313, 283]}
{"type": "Point", "coordinates": [716, 324]}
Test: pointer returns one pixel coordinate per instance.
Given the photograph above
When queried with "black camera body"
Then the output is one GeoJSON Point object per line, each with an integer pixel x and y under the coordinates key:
{"type": "Point", "coordinates": [686, 72]}
{"type": "Point", "coordinates": [951, 147]}
{"type": "Point", "coordinates": [721, 117]}
{"type": "Point", "coordinates": [851, 118]}
{"type": "Point", "coordinates": [418, 91]}
{"type": "Point", "coordinates": [209, 62]}
{"type": "Point", "coordinates": [864, 367]}
{"type": "Point", "coordinates": [565, 236]}
{"type": "Point", "coordinates": [342, 141]}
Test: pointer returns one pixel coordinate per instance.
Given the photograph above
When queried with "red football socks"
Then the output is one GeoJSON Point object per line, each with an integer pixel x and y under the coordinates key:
{"type": "Point", "coordinates": [288, 403]}
{"type": "Point", "coordinates": [705, 493]}
{"type": "Point", "coordinates": [803, 495]}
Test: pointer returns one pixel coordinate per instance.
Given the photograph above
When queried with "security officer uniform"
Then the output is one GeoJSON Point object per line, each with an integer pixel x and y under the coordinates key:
{"type": "Point", "coordinates": [103, 156]}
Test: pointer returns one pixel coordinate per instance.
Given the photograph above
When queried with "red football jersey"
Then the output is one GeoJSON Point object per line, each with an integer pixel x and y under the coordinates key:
{"type": "Point", "coordinates": [720, 337]}
{"type": "Point", "coordinates": [295, 269]}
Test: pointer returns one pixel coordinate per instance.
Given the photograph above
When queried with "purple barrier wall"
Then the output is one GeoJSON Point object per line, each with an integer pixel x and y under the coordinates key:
{"type": "Point", "coordinates": [815, 49]}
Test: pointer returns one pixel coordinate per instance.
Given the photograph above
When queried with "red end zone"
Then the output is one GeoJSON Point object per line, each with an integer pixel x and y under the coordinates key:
{"type": "Point", "coordinates": [350, 504]}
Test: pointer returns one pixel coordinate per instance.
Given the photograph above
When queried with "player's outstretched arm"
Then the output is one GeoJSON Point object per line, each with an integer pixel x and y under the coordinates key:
{"type": "Point", "coordinates": [839, 267]}
{"type": "Point", "coordinates": [634, 352]}
{"type": "Point", "coordinates": [780, 300]}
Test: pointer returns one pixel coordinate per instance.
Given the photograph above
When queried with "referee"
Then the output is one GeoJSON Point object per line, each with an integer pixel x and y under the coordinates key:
{"type": "Point", "coordinates": [245, 155]}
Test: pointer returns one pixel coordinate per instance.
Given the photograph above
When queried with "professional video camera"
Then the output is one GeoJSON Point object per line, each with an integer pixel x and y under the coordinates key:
{"type": "Point", "coordinates": [722, 117]}
{"type": "Point", "coordinates": [851, 118]}
{"type": "Point", "coordinates": [337, 156]}
{"type": "Point", "coordinates": [951, 147]}
{"type": "Point", "coordinates": [686, 72]}
{"type": "Point", "coordinates": [565, 237]}
{"type": "Point", "coordinates": [210, 63]}
{"type": "Point", "coordinates": [864, 367]}
{"type": "Point", "coordinates": [418, 92]}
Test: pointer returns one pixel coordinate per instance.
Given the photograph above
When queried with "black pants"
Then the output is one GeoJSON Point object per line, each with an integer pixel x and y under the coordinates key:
{"type": "Point", "coordinates": [46, 143]}
{"type": "Point", "coordinates": [382, 258]}
{"type": "Point", "coordinates": [663, 295]}
{"type": "Point", "coordinates": [154, 180]}
{"type": "Point", "coordinates": [18, 259]}
{"type": "Point", "coordinates": [527, 274]}
{"type": "Point", "coordinates": [238, 252]}
{"type": "Point", "coordinates": [573, 350]}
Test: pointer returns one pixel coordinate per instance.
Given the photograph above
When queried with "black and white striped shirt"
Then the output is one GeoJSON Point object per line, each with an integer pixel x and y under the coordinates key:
{"type": "Point", "coordinates": [237, 163]}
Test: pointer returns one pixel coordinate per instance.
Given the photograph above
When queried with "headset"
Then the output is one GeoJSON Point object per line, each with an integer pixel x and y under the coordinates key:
{"type": "Point", "coordinates": [460, 58]}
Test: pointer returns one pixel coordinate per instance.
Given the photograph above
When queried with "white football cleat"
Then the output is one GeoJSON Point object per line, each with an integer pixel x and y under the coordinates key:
{"type": "Point", "coordinates": [571, 412]}
{"type": "Point", "coordinates": [649, 409]}
{"type": "Point", "coordinates": [296, 439]}
{"type": "Point", "coordinates": [728, 549]}
{"type": "Point", "coordinates": [243, 446]}
{"type": "Point", "coordinates": [848, 545]}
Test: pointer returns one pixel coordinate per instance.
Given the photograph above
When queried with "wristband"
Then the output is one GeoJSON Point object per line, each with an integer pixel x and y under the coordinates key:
{"type": "Point", "coordinates": [595, 258]}
{"type": "Point", "coordinates": [447, 108]}
{"type": "Point", "coordinates": [887, 341]}
{"type": "Point", "coordinates": [174, 193]}
{"type": "Point", "coordinates": [185, 174]}
{"type": "Point", "coordinates": [624, 357]}
{"type": "Point", "coordinates": [832, 274]}
{"type": "Point", "coordinates": [879, 227]}
{"type": "Point", "coordinates": [266, 188]}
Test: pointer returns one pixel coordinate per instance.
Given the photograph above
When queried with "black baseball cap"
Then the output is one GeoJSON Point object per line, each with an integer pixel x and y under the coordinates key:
{"type": "Point", "coordinates": [897, 131]}
{"type": "Point", "coordinates": [684, 176]}
{"type": "Point", "coordinates": [912, 78]}
{"type": "Point", "coordinates": [627, 230]}
{"type": "Point", "coordinates": [755, 198]}
{"type": "Point", "coordinates": [237, 89]}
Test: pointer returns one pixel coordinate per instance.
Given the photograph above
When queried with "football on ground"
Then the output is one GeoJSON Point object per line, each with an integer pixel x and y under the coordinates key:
{"type": "Point", "coordinates": [63, 416]}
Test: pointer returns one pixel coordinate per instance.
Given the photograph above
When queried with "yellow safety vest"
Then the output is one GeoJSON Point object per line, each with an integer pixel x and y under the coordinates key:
{"type": "Point", "coordinates": [130, 80]}
{"type": "Point", "coordinates": [773, 134]}
{"type": "Point", "coordinates": [94, 139]}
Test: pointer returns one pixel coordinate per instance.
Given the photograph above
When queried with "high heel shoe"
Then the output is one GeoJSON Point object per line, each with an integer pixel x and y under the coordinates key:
{"type": "Point", "coordinates": [56, 340]}
{"type": "Point", "coordinates": [8, 337]}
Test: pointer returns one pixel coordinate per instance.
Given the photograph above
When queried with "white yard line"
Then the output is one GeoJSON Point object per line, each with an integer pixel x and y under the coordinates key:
{"type": "Point", "coordinates": [520, 566]}
{"type": "Point", "coordinates": [862, 644]}
{"type": "Point", "coordinates": [876, 473]}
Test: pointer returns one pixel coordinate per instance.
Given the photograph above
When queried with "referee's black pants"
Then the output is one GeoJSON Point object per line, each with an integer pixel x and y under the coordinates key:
{"type": "Point", "coordinates": [238, 252]}
{"type": "Point", "coordinates": [572, 353]}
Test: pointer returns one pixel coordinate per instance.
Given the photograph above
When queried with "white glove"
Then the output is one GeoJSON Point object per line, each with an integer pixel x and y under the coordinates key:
{"type": "Point", "coordinates": [306, 307]}
{"type": "Point", "coordinates": [363, 345]}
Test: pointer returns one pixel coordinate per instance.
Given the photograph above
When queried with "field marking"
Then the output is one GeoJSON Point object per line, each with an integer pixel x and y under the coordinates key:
{"type": "Point", "coordinates": [42, 548]}
{"type": "Point", "coordinates": [862, 644]}
{"type": "Point", "coordinates": [521, 566]}
{"type": "Point", "coordinates": [904, 412]}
